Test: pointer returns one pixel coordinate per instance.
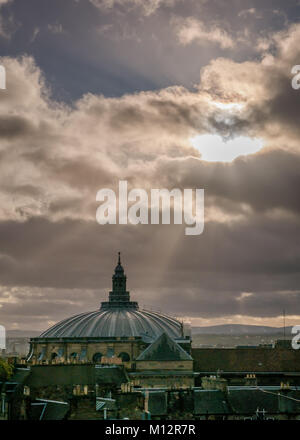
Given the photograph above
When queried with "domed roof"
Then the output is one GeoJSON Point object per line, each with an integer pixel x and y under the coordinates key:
{"type": "Point", "coordinates": [116, 318]}
{"type": "Point", "coordinates": [115, 322]}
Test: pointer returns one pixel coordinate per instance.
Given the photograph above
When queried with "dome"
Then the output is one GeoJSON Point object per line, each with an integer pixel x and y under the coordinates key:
{"type": "Point", "coordinates": [116, 318]}
{"type": "Point", "coordinates": [115, 322]}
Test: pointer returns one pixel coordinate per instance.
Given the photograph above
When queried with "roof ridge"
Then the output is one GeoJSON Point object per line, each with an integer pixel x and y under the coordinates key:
{"type": "Point", "coordinates": [164, 348]}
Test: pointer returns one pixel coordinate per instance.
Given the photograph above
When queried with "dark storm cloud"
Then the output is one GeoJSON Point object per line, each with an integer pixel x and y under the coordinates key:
{"type": "Point", "coordinates": [258, 255]}
{"type": "Point", "coordinates": [264, 181]}
{"type": "Point", "coordinates": [14, 126]}
{"type": "Point", "coordinates": [208, 303]}
{"type": "Point", "coordinates": [102, 49]}
{"type": "Point", "coordinates": [36, 307]}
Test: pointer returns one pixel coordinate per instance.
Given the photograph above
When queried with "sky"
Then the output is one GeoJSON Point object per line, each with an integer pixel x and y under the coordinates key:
{"type": "Point", "coordinates": [163, 94]}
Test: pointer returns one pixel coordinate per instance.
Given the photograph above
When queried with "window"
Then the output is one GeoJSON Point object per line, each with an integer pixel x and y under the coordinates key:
{"type": "Point", "coordinates": [110, 352]}
{"type": "Point", "coordinates": [124, 356]}
{"type": "Point", "coordinates": [97, 358]}
{"type": "Point", "coordinates": [82, 356]}
{"type": "Point", "coordinates": [73, 356]}
{"type": "Point", "coordinates": [60, 352]}
{"type": "Point", "coordinates": [42, 354]}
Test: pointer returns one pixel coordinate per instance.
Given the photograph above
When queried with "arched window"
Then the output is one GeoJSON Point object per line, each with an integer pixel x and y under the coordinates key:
{"type": "Point", "coordinates": [42, 355]}
{"type": "Point", "coordinates": [73, 356]}
{"type": "Point", "coordinates": [97, 358]}
{"type": "Point", "coordinates": [124, 356]}
{"type": "Point", "coordinates": [53, 356]}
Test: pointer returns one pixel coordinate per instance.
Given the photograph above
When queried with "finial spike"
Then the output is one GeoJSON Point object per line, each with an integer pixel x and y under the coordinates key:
{"type": "Point", "coordinates": [119, 259]}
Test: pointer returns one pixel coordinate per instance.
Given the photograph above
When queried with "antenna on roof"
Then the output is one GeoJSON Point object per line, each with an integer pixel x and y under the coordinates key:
{"type": "Point", "coordinates": [284, 324]}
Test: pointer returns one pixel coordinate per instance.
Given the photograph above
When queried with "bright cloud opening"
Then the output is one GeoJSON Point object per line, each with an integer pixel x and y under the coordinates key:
{"type": "Point", "coordinates": [228, 105]}
{"type": "Point", "coordinates": [214, 148]}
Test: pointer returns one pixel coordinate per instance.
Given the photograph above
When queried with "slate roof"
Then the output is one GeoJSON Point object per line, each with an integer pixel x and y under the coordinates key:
{"type": "Point", "coordinates": [20, 375]}
{"type": "Point", "coordinates": [292, 404]}
{"type": "Point", "coordinates": [157, 404]}
{"type": "Point", "coordinates": [210, 402]}
{"type": "Point", "coordinates": [11, 386]}
{"type": "Point", "coordinates": [105, 403]}
{"type": "Point", "coordinates": [248, 360]}
{"type": "Point", "coordinates": [116, 322]}
{"type": "Point", "coordinates": [246, 401]}
{"type": "Point", "coordinates": [166, 373]}
{"type": "Point", "coordinates": [110, 375]}
{"type": "Point", "coordinates": [43, 409]}
{"type": "Point", "coordinates": [164, 349]}
{"type": "Point", "coordinates": [45, 375]}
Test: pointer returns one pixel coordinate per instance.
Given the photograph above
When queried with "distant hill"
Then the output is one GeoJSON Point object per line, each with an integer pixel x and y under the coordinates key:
{"type": "Point", "coordinates": [22, 333]}
{"type": "Point", "coordinates": [240, 329]}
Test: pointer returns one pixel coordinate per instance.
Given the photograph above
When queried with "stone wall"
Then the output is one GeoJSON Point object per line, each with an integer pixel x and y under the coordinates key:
{"type": "Point", "coordinates": [164, 365]}
{"type": "Point", "coordinates": [133, 347]}
{"type": "Point", "coordinates": [169, 381]}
